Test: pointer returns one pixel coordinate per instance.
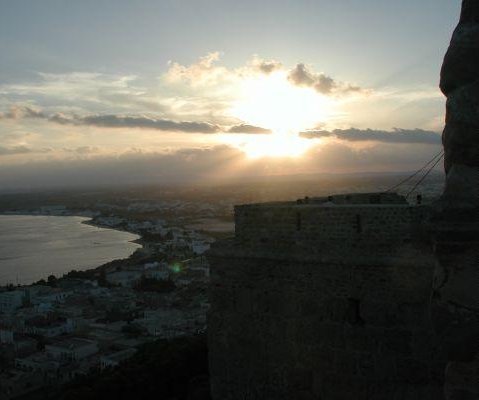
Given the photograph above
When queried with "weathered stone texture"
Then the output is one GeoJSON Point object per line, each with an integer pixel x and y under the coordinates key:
{"type": "Point", "coordinates": [461, 62]}
{"type": "Point", "coordinates": [320, 316]}
{"type": "Point", "coordinates": [319, 228]}
{"type": "Point", "coordinates": [332, 302]}
{"type": "Point", "coordinates": [455, 301]}
{"type": "Point", "coordinates": [460, 83]}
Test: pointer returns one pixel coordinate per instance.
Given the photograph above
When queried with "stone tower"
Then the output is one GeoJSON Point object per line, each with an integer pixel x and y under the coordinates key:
{"type": "Point", "coordinates": [322, 299]}
{"type": "Point", "coordinates": [325, 299]}
{"type": "Point", "coordinates": [455, 301]}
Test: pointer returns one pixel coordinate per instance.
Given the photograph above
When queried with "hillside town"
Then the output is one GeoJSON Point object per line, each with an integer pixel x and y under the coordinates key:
{"type": "Point", "coordinates": [87, 321]}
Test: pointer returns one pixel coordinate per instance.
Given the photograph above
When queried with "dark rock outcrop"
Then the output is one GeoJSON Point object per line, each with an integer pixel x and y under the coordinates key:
{"type": "Point", "coordinates": [455, 300]}
{"type": "Point", "coordinates": [460, 83]}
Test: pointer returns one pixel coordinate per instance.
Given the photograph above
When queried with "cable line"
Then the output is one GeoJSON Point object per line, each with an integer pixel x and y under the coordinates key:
{"type": "Point", "coordinates": [425, 175]}
{"type": "Point", "coordinates": [434, 159]}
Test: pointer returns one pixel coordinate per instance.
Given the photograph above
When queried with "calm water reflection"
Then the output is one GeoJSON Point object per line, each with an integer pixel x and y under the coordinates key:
{"type": "Point", "coordinates": [33, 247]}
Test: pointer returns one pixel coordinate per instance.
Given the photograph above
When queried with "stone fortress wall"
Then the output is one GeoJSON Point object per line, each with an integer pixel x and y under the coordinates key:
{"type": "Point", "coordinates": [324, 299]}
{"type": "Point", "coordinates": [320, 224]}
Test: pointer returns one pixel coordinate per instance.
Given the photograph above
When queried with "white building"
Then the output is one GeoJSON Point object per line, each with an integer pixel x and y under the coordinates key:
{"type": "Point", "coordinates": [24, 345]}
{"type": "Point", "coordinates": [21, 344]}
{"type": "Point", "coordinates": [114, 359]}
{"type": "Point", "coordinates": [158, 274]}
{"type": "Point", "coordinates": [199, 247]}
{"type": "Point", "coordinates": [71, 349]}
{"type": "Point", "coordinates": [44, 295]}
{"type": "Point", "coordinates": [156, 270]}
{"type": "Point", "coordinates": [36, 362]}
{"type": "Point", "coordinates": [11, 300]}
{"type": "Point", "coordinates": [124, 278]}
{"type": "Point", "coordinates": [6, 336]}
{"type": "Point", "coordinates": [52, 330]}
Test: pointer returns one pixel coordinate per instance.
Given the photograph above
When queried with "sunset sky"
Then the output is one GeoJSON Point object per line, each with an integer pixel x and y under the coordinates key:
{"type": "Point", "coordinates": [183, 90]}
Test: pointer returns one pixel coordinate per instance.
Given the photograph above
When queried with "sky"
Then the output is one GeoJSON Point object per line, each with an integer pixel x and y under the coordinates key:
{"type": "Point", "coordinates": [188, 90]}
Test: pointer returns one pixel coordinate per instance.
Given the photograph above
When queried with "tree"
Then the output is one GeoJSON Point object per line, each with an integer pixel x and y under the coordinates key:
{"type": "Point", "coordinates": [154, 285]}
{"type": "Point", "coordinates": [52, 281]}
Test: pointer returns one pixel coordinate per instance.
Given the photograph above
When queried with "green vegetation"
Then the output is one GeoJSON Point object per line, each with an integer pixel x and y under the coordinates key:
{"type": "Point", "coordinates": [74, 274]}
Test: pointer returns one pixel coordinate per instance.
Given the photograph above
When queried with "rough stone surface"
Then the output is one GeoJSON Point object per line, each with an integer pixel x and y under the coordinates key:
{"type": "Point", "coordinates": [334, 302]}
{"type": "Point", "coordinates": [460, 83]}
{"type": "Point", "coordinates": [323, 302]}
{"type": "Point", "coordinates": [461, 61]}
{"type": "Point", "coordinates": [455, 300]}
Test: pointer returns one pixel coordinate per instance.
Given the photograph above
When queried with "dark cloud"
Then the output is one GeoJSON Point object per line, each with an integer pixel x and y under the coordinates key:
{"type": "Point", "coordinates": [395, 136]}
{"type": "Point", "coordinates": [217, 164]}
{"type": "Point", "coordinates": [119, 121]}
{"type": "Point", "coordinates": [115, 121]}
{"type": "Point", "coordinates": [324, 84]}
{"type": "Point", "coordinates": [266, 67]}
{"type": "Point", "coordinates": [351, 88]}
{"type": "Point", "coordinates": [245, 128]}
{"type": "Point", "coordinates": [7, 151]}
{"type": "Point", "coordinates": [13, 150]}
{"type": "Point", "coordinates": [16, 112]}
{"type": "Point", "coordinates": [29, 112]}
{"type": "Point", "coordinates": [300, 75]}
{"type": "Point", "coordinates": [62, 119]}
{"type": "Point", "coordinates": [134, 167]}
{"type": "Point", "coordinates": [340, 157]}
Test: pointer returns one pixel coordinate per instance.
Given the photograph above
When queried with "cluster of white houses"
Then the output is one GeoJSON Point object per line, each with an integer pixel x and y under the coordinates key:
{"type": "Point", "coordinates": [49, 335]}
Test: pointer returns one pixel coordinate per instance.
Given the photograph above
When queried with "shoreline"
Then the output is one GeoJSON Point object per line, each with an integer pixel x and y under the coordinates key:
{"type": "Point", "coordinates": [89, 220]}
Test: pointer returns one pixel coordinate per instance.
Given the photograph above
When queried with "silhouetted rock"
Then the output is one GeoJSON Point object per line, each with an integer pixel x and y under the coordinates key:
{"type": "Point", "coordinates": [461, 62]}
{"type": "Point", "coordinates": [455, 301]}
{"type": "Point", "coordinates": [460, 83]}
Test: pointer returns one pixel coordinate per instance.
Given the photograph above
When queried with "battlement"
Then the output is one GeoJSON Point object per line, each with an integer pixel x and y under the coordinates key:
{"type": "Point", "coordinates": [323, 298]}
{"type": "Point", "coordinates": [323, 224]}
{"type": "Point", "coordinates": [357, 198]}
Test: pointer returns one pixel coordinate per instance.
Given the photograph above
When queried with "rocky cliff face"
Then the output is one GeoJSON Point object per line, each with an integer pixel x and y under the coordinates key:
{"type": "Point", "coordinates": [460, 83]}
{"type": "Point", "coordinates": [455, 301]}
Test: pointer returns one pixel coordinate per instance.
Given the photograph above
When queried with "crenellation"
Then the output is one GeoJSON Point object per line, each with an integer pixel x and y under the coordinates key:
{"type": "Point", "coordinates": [326, 311]}
{"type": "Point", "coordinates": [319, 227]}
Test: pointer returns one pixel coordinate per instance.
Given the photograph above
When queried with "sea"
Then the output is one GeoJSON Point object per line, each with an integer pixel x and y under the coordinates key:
{"type": "Point", "coordinates": [33, 247]}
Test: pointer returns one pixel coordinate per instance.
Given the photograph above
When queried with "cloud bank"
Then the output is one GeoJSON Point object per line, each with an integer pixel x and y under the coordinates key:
{"type": "Point", "coordinates": [22, 149]}
{"type": "Point", "coordinates": [7, 151]}
{"type": "Point", "coordinates": [411, 136]}
{"type": "Point", "coordinates": [113, 121]}
{"type": "Point", "coordinates": [249, 129]}
{"type": "Point", "coordinates": [207, 165]}
{"type": "Point", "coordinates": [119, 121]}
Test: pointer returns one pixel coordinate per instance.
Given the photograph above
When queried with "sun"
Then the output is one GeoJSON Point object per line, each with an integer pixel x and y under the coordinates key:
{"type": "Point", "coordinates": [271, 101]}
{"type": "Point", "coordinates": [277, 144]}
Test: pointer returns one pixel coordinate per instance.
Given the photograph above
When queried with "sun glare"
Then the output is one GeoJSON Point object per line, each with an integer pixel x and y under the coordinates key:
{"type": "Point", "coordinates": [277, 144]}
{"type": "Point", "coordinates": [272, 102]}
